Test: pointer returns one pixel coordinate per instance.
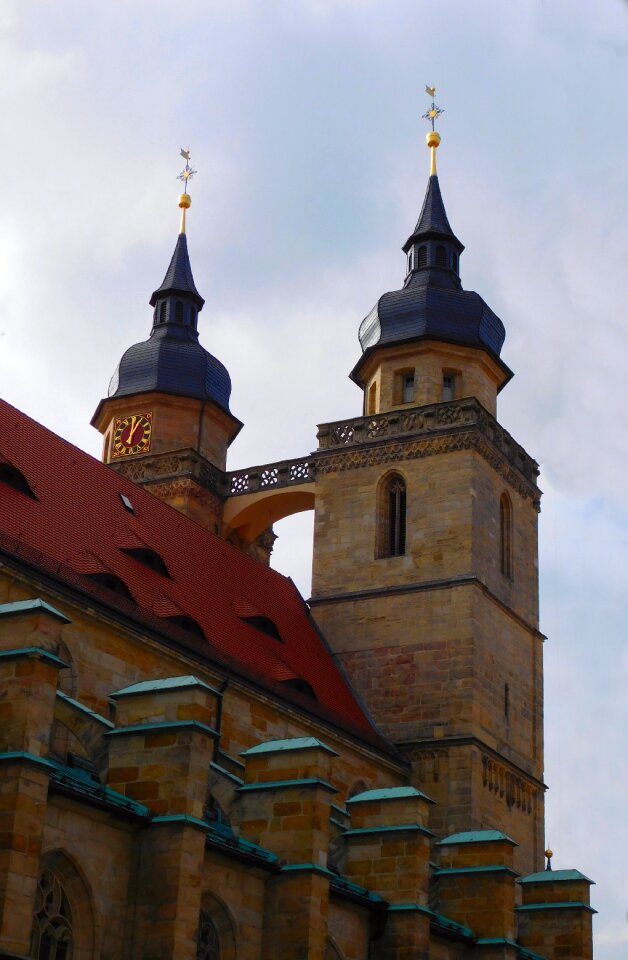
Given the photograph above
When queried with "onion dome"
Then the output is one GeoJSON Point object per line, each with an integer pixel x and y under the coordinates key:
{"type": "Point", "coordinates": [172, 360]}
{"type": "Point", "coordinates": [432, 304]}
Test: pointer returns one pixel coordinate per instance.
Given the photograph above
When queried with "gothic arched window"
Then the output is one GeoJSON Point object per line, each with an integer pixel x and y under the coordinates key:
{"type": "Point", "coordinates": [208, 944]}
{"type": "Point", "coordinates": [392, 517]}
{"type": "Point", "coordinates": [53, 938]}
{"type": "Point", "coordinates": [505, 535]}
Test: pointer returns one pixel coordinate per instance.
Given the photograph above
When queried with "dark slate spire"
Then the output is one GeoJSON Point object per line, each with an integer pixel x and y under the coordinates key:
{"type": "Point", "coordinates": [433, 222]}
{"type": "Point", "coordinates": [172, 360]}
{"type": "Point", "coordinates": [178, 279]}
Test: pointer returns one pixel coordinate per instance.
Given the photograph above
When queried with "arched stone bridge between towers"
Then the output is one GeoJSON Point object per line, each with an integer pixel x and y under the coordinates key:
{"type": "Point", "coordinates": [260, 496]}
{"type": "Point", "coordinates": [257, 497]}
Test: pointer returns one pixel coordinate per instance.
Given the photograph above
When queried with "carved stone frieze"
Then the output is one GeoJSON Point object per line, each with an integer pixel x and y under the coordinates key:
{"type": "Point", "coordinates": [510, 787]}
{"type": "Point", "coordinates": [415, 449]}
{"type": "Point", "coordinates": [182, 463]}
{"type": "Point", "coordinates": [449, 417]}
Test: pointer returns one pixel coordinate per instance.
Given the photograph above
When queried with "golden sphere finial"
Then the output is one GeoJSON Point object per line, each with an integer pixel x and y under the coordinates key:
{"type": "Point", "coordinates": [185, 200]}
{"type": "Point", "coordinates": [432, 138]}
{"type": "Point", "coordinates": [549, 853]}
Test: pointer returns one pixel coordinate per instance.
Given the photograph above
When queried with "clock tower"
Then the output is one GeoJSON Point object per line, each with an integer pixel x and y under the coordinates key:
{"type": "Point", "coordinates": [166, 421]}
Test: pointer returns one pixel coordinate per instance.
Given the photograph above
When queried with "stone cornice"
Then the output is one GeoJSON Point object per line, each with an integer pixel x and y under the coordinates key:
{"type": "Point", "coordinates": [423, 432]}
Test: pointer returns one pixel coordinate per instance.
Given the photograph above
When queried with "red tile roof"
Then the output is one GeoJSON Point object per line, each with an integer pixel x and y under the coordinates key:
{"type": "Point", "coordinates": [79, 526]}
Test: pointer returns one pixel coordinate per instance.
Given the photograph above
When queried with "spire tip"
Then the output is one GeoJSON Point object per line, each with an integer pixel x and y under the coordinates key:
{"type": "Point", "coordinates": [185, 201]}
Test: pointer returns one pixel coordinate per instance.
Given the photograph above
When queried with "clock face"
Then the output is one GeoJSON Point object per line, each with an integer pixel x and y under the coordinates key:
{"type": "Point", "coordinates": [131, 435]}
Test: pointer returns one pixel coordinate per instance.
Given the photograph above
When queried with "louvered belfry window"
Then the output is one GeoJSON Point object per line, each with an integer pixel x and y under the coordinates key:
{"type": "Point", "coordinates": [396, 517]}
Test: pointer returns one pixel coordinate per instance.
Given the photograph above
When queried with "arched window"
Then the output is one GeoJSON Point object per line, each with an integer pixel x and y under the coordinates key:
{"type": "Point", "coordinates": [53, 937]}
{"type": "Point", "coordinates": [392, 517]}
{"type": "Point", "coordinates": [422, 256]}
{"type": "Point", "coordinates": [454, 261]}
{"type": "Point", "coordinates": [410, 259]}
{"type": "Point", "coordinates": [505, 535]}
{"type": "Point", "coordinates": [216, 931]}
{"type": "Point", "coordinates": [208, 944]}
{"type": "Point", "coordinates": [178, 312]}
{"type": "Point", "coordinates": [162, 312]}
{"type": "Point", "coordinates": [441, 256]}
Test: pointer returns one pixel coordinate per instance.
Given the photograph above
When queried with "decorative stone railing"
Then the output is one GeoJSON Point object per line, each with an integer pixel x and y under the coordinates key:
{"type": "Point", "coordinates": [438, 418]}
{"type": "Point", "coordinates": [284, 473]}
{"type": "Point", "coordinates": [433, 419]}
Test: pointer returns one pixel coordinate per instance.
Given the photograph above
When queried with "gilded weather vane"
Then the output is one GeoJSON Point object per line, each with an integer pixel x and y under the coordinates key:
{"type": "Point", "coordinates": [433, 137]}
{"type": "Point", "coordinates": [185, 201]}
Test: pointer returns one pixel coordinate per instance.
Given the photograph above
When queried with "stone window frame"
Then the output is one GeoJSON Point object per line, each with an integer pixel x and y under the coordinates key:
{"type": "Point", "coordinates": [392, 517]}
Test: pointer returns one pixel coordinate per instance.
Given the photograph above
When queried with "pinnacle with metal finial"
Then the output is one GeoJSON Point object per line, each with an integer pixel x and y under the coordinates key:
{"type": "Point", "coordinates": [549, 853]}
{"type": "Point", "coordinates": [433, 137]}
{"type": "Point", "coordinates": [185, 200]}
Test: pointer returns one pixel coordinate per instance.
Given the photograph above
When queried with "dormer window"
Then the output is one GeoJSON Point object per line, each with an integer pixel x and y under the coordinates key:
{"type": "Point", "coordinates": [113, 583]}
{"type": "Point", "coordinates": [149, 558]}
{"type": "Point", "coordinates": [301, 686]}
{"type": "Point", "coordinates": [188, 624]}
{"type": "Point", "coordinates": [265, 625]}
{"type": "Point", "coordinates": [16, 479]}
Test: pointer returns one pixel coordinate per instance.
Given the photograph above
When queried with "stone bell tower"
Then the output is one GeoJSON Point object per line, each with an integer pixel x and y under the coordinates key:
{"type": "Point", "coordinates": [425, 548]}
{"type": "Point", "coordinates": [166, 421]}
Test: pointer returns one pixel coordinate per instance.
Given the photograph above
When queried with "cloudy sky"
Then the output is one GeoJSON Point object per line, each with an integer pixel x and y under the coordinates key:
{"type": "Point", "coordinates": [304, 119]}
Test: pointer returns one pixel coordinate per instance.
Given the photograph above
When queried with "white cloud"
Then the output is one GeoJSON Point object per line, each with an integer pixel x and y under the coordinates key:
{"type": "Point", "coordinates": [305, 127]}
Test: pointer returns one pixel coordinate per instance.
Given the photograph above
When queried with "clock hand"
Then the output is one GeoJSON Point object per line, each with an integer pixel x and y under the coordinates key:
{"type": "Point", "coordinates": [134, 425]}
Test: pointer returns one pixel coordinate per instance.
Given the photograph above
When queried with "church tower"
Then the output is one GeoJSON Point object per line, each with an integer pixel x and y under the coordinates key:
{"type": "Point", "coordinates": [166, 421]}
{"type": "Point", "coordinates": [425, 548]}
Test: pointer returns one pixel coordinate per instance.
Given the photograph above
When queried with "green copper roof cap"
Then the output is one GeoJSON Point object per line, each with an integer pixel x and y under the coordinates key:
{"type": "Point", "coordinates": [547, 876]}
{"type": "Point", "coordinates": [158, 686]}
{"type": "Point", "coordinates": [295, 743]}
{"type": "Point", "coordinates": [389, 793]}
{"type": "Point", "coordinates": [30, 606]}
{"type": "Point", "coordinates": [476, 836]}
{"type": "Point", "coordinates": [83, 709]}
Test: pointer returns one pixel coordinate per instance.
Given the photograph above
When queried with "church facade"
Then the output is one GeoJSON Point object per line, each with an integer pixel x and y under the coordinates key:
{"type": "Point", "coordinates": [198, 764]}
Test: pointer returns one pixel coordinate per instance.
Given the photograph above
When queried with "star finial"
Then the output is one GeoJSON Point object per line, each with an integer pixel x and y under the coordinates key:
{"type": "Point", "coordinates": [433, 138]}
{"type": "Point", "coordinates": [185, 201]}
